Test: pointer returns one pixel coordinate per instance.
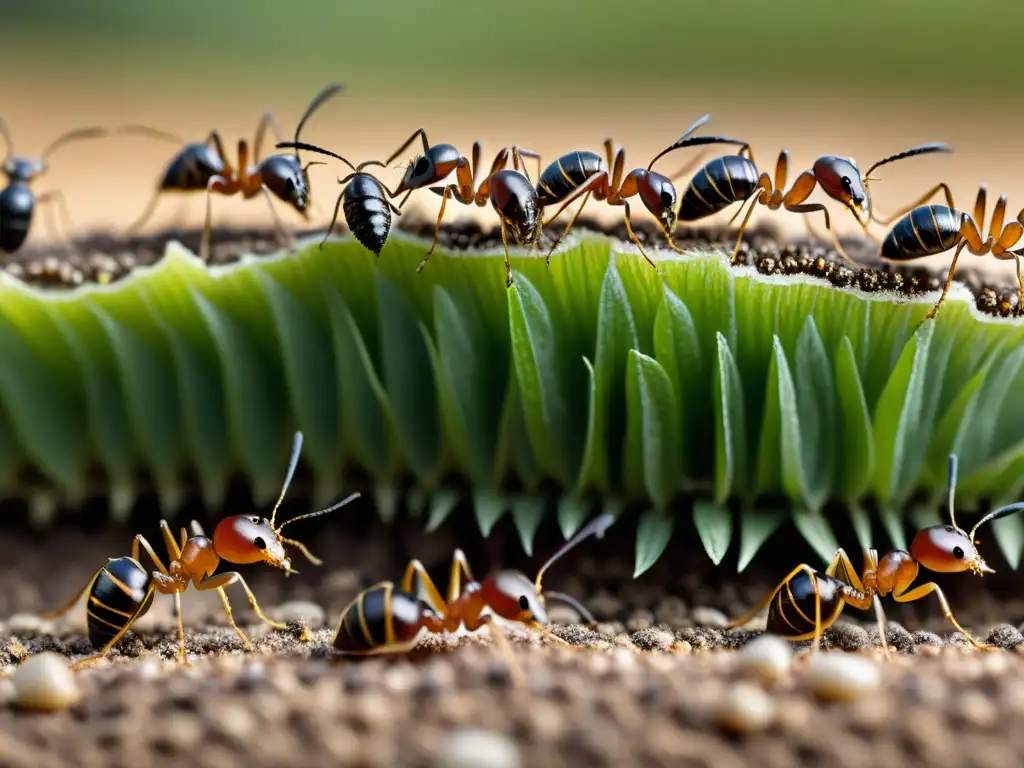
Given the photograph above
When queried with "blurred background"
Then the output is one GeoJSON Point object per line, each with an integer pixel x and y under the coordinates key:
{"type": "Point", "coordinates": [861, 79]}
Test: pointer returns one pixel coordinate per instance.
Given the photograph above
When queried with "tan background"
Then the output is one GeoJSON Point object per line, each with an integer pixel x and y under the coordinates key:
{"type": "Point", "coordinates": [864, 81]}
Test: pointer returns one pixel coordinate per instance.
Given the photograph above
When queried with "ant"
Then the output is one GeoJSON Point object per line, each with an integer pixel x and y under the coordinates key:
{"type": "Point", "coordinates": [932, 229]}
{"type": "Point", "coordinates": [365, 200]}
{"type": "Point", "coordinates": [510, 192]}
{"type": "Point", "coordinates": [122, 590]}
{"type": "Point", "coordinates": [586, 173]}
{"type": "Point", "coordinates": [735, 178]}
{"type": "Point", "coordinates": [386, 619]}
{"type": "Point", "coordinates": [17, 200]}
{"type": "Point", "coordinates": [204, 166]}
{"type": "Point", "coordinates": [806, 602]}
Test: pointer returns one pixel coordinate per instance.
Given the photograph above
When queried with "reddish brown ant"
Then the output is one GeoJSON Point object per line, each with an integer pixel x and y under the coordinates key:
{"type": "Point", "coordinates": [203, 166]}
{"type": "Point", "coordinates": [122, 590]}
{"type": "Point", "coordinates": [386, 619]}
{"type": "Point", "coordinates": [806, 602]}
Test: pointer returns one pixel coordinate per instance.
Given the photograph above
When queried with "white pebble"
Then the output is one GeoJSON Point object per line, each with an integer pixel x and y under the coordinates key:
{"type": "Point", "coordinates": [839, 676]}
{"type": "Point", "coordinates": [28, 624]}
{"type": "Point", "coordinates": [709, 617]}
{"type": "Point", "coordinates": [767, 657]}
{"type": "Point", "coordinates": [45, 682]}
{"type": "Point", "coordinates": [473, 748]}
{"type": "Point", "coordinates": [745, 708]}
{"type": "Point", "coordinates": [300, 610]}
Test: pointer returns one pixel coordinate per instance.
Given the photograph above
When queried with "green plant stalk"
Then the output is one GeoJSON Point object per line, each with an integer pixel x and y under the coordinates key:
{"type": "Point", "coordinates": [699, 390]}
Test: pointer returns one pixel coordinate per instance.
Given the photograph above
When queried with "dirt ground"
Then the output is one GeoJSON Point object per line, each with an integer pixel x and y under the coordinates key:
{"type": "Point", "coordinates": [640, 687]}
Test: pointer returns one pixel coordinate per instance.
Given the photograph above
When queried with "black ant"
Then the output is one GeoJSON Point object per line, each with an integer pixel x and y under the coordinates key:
{"type": "Point", "coordinates": [509, 191]}
{"type": "Point", "coordinates": [17, 200]}
{"type": "Point", "coordinates": [122, 590]}
{"type": "Point", "coordinates": [588, 174]}
{"type": "Point", "coordinates": [386, 619]}
{"type": "Point", "coordinates": [932, 229]}
{"type": "Point", "coordinates": [806, 602]}
{"type": "Point", "coordinates": [203, 166]}
{"type": "Point", "coordinates": [735, 178]}
{"type": "Point", "coordinates": [365, 199]}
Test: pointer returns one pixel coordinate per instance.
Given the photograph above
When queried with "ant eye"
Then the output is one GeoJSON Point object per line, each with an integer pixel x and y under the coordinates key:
{"type": "Point", "coordinates": [422, 165]}
{"type": "Point", "coordinates": [524, 603]}
{"type": "Point", "coordinates": [958, 553]}
{"type": "Point", "coordinates": [847, 184]}
{"type": "Point", "coordinates": [667, 198]}
{"type": "Point", "coordinates": [255, 520]}
{"type": "Point", "coordinates": [259, 543]}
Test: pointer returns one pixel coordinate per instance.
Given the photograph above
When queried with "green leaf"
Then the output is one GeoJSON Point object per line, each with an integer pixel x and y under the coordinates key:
{"type": "Point", "coordinates": [861, 521]}
{"type": "Point", "coordinates": [896, 419]}
{"type": "Point", "coordinates": [386, 498]}
{"type": "Point", "coordinates": [442, 504]}
{"type": "Point", "coordinates": [652, 459]}
{"type": "Point", "coordinates": [816, 531]}
{"type": "Point", "coordinates": [856, 447]}
{"type": "Point", "coordinates": [488, 508]}
{"type": "Point", "coordinates": [895, 527]}
{"type": "Point", "coordinates": [768, 472]}
{"type": "Point", "coordinates": [572, 513]}
{"type": "Point", "coordinates": [677, 348]}
{"type": "Point", "coordinates": [616, 336]}
{"type": "Point", "coordinates": [527, 514]}
{"type": "Point", "coordinates": [653, 533]}
{"type": "Point", "coordinates": [714, 526]}
{"type": "Point", "coordinates": [791, 451]}
{"type": "Point", "coordinates": [533, 351]}
{"type": "Point", "coordinates": [756, 525]}
{"type": "Point", "coordinates": [409, 381]}
{"type": "Point", "coordinates": [816, 404]}
{"type": "Point", "coordinates": [1009, 535]}
{"type": "Point", "coordinates": [730, 432]}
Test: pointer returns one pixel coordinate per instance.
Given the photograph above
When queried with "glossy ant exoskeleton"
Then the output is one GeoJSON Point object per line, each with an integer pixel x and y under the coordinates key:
{"type": "Point", "coordinates": [588, 174]}
{"type": "Point", "coordinates": [122, 590]}
{"type": "Point", "coordinates": [388, 619]}
{"type": "Point", "coordinates": [928, 230]}
{"type": "Point", "coordinates": [17, 200]}
{"type": "Point", "coordinates": [806, 602]}
{"type": "Point", "coordinates": [510, 191]}
{"type": "Point", "coordinates": [735, 178]}
{"type": "Point", "coordinates": [203, 166]}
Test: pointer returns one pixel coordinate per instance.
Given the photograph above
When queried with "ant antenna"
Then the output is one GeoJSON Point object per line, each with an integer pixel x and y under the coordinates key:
{"type": "Point", "coordinates": [952, 491]}
{"type": "Point", "coordinates": [319, 99]}
{"type": "Point", "coordinates": [995, 515]}
{"type": "Point", "coordinates": [292, 464]}
{"type": "Point", "coordinates": [687, 141]}
{"type": "Point", "coordinates": [8, 143]}
{"type": "Point", "coordinates": [571, 601]}
{"type": "Point", "coordinates": [920, 149]}
{"type": "Point", "coordinates": [595, 527]}
{"type": "Point", "coordinates": [312, 162]}
{"type": "Point", "coordinates": [297, 145]}
{"type": "Point", "coordinates": [145, 130]}
{"type": "Point", "coordinates": [298, 544]}
{"type": "Point", "coordinates": [76, 135]}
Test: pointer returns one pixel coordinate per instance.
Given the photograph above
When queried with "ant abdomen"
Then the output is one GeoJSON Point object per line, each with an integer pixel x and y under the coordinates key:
{"type": "Point", "coordinates": [17, 202]}
{"type": "Point", "coordinates": [382, 617]}
{"type": "Point", "coordinates": [792, 611]}
{"type": "Point", "coordinates": [119, 594]}
{"type": "Point", "coordinates": [367, 212]}
{"type": "Point", "coordinates": [718, 184]}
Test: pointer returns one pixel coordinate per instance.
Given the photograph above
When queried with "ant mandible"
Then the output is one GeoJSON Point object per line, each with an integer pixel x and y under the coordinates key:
{"type": "Point", "coordinates": [386, 619]}
{"type": "Point", "coordinates": [203, 166]}
{"type": "Point", "coordinates": [735, 179]}
{"type": "Point", "coordinates": [510, 192]}
{"type": "Point", "coordinates": [17, 200]}
{"type": "Point", "coordinates": [805, 593]}
{"type": "Point", "coordinates": [122, 590]}
{"type": "Point", "coordinates": [586, 173]}
{"type": "Point", "coordinates": [932, 229]}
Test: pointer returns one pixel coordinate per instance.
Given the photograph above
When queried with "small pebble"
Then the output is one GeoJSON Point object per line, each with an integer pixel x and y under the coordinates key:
{"type": "Point", "coordinates": [473, 748]}
{"type": "Point", "coordinates": [767, 657]}
{"type": "Point", "coordinates": [563, 614]}
{"type": "Point", "coordinates": [840, 676]}
{"type": "Point", "coordinates": [709, 617]}
{"type": "Point", "coordinates": [300, 610]}
{"type": "Point", "coordinates": [45, 682]}
{"type": "Point", "coordinates": [28, 624]}
{"type": "Point", "coordinates": [745, 708]}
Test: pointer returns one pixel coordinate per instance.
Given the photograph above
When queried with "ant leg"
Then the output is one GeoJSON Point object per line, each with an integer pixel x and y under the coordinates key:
{"type": "Point", "coordinates": [90, 660]}
{"type": "Point", "coordinates": [813, 207]}
{"type": "Point", "coordinates": [596, 182]}
{"type": "Point", "coordinates": [415, 568]}
{"type": "Point", "coordinates": [880, 616]}
{"type": "Point", "coordinates": [267, 120]}
{"type": "Point", "coordinates": [222, 580]}
{"type": "Point", "coordinates": [56, 197]}
{"type": "Point", "coordinates": [71, 604]}
{"type": "Point", "coordinates": [736, 623]}
{"type": "Point", "coordinates": [572, 221]}
{"type": "Point", "coordinates": [149, 210]}
{"type": "Point", "coordinates": [173, 550]}
{"type": "Point", "coordinates": [337, 208]}
{"type": "Point", "coordinates": [782, 171]}
{"type": "Point", "coordinates": [140, 541]}
{"type": "Point", "coordinates": [1020, 284]}
{"type": "Point", "coordinates": [633, 237]}
{"type": "Point", "coordinates": [204, 242]}
{"type": "Point", "coordinates": [231, 619]}
{"type": "Point", "coordinates": [419, 132]}
{"type": "Point", "coordinates": [940, 187]}
{"type": "Point", "coordinates": [437, 228]}
{"type": "Point", "coordinates": [508, 264]}
{"type": "Point", "coordinates": [459, 568]}
{"type": "Point", "coordinates": [287, 239]}
{"type": "Point", "coordinates": [849, 574]}
{"type": "Point", "coordinates": [995, 227]}
{"type": "Point", "coordinates": [502, 645]}
{"type": "Point", "coordinates": [182, 656]}
{"type": "Point", "coordinates": [926, 589]}
{"type": "Point", "coordinates": [949, 281]}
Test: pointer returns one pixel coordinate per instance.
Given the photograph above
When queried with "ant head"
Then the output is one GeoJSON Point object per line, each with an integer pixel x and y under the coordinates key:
{"type": "Point", "coordinates": [841, 180]}
{"type": "Point", "coordinates": [659, 195]}
{"type": "Point", "coordinates": [949, 548]}
{"type": "Point", "coordinates": [429, 168]}
{"type": "Point", "coordinates": [287, 179]}
{"type": "Point", "coordinates": [511, 594]}
{"type": "Point", "coordinates": [23, 169]}
{"type": "Point", "coordinates": [245, 539]}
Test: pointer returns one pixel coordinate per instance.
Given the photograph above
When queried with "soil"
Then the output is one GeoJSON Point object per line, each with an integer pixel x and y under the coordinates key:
{"type": "Point", "coordinates": [639, 687]}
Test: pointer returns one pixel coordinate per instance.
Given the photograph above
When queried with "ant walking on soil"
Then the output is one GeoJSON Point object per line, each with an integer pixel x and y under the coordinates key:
{"type": "Point", "coordinates": [386, 619]}
{"type": "Point", "coordinates": [806, 602]}
{"type": "Point", "coordinates": [122, 590]}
